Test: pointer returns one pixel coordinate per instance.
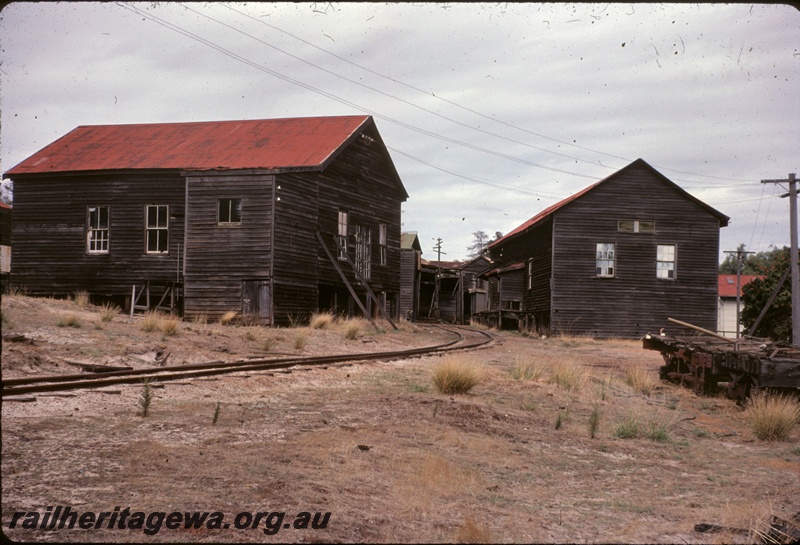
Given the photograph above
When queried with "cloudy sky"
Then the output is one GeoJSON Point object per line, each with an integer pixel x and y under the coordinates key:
{"type": "Point", "coordinates": [492, 112]}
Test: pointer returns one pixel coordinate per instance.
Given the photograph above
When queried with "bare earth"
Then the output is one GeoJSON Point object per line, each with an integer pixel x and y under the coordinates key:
{"type": "Point", "coordinates": [375, 444]}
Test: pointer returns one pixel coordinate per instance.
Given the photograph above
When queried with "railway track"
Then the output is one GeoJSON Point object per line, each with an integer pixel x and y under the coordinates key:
{"type": "Point", "coordinates": [466, 339]}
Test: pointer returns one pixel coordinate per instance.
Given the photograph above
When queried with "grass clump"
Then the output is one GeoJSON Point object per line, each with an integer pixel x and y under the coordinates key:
{"type": "Point", "coordinates": [300, 340]}
{"type": "Point", "coordinates": [594, 422]}
{"type": "Point", "coordinates": [640, 380]}
{"type": "Point", "coordinates": [217, 410]}
{"type": "Point", "coordinates": [81, 298]}
{"type": "Point", "coordinates": [228, 317]}
{"type": "Point", "coordinates": [524, 370]}
{"type": "Point", "coordinates": [352, 329]}
{"type": "Point", "coordinates": [169, 326]}
{"type": "Point", "coordinates": [150, 322]}
{"type": "Point", "coordinates": [627, 428]}
{"type": "Point", "coordinates": [568, 375]}
{"type": "Point", "coordinates": [321, 320]}
{"type": "Point", "coordinates": [69, 321]}
{"type": "Point", "coordinates": [772, 417]}
{"type": "Point", "coordinates": [108, 311]}
{"type": "Point", "coordinates": [454, 376]}
{"type": "Point", "coordinates": [657, 432]}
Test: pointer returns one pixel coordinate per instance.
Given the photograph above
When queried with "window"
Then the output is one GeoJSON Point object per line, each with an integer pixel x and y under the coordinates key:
{"type": "Point", "coordinates": [97, 229]}
{"type": "Point", "coordinates": [382, 243]}
{"type": "Point", "coordinates": [604, 264]}
{"type": "Point", "coordinates": [230, 212]}
{"type": "Point", "coordinates": [636, 226]}
{"type": "Point", "coordinates": [341, 237]}
{"type": "Point", "coordinates": [665, 261]}
{"type": "Point", "coordinates": [363, 251]}
{"type": "Point", "coordinates": [157, 229]}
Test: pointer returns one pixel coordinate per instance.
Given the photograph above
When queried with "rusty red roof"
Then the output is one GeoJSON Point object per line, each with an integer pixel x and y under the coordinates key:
{"type": "Point", "coordinates": [264, 144]}
{"type": "Point", "coordinates": [547, 212]}
{"type": "Point", "coordinates": [727, 283]}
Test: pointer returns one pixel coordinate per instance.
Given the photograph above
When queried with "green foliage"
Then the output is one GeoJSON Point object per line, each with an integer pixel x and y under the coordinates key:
{"type": "Point", "coordinates": [751, 263]}
{"type": "Point", "coordinates": [777, 322]}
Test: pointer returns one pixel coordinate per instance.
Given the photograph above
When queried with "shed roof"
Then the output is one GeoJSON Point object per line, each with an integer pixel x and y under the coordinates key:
{"type": "Point", "coordinates": [307, 143]}
{"type": "Point", "coordinates": [727, 283]}
{"type": "Point", "coordinates": [547, 212]}
{"type": "Point", "coordinates": [410, 241]}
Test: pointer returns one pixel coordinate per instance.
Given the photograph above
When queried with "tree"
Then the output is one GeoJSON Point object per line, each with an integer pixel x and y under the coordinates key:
{"type": "Point", "coordinates": [777, 322]}
{"type": "Point", "coordinates": [751, 263]}
{"type": "Point", "coordinates": [479, 245]}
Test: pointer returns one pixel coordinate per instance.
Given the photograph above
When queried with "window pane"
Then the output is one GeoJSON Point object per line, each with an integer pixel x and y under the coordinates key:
{"type": "Point", "coordinates": [162, 216]}
{"type": "Point", "coordinates": [230, 211]}
{"type": "Point", "coordinates": [625, 226]}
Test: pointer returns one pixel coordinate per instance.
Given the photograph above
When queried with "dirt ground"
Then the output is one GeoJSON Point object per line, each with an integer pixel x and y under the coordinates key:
{"type": "Point", "coordinates": [375, 445]}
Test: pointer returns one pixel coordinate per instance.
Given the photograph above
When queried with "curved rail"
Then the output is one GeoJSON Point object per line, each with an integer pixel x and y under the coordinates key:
{"type": "Point", "coordinates": [54, 383]}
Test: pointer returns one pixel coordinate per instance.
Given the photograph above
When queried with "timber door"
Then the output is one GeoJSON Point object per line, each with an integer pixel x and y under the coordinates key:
{"type": "Point", "coordinates": [255, 301]}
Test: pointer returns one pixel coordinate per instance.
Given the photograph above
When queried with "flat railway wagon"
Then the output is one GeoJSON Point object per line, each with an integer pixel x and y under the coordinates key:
{"type": "Point", "coordinates": [739, 367]}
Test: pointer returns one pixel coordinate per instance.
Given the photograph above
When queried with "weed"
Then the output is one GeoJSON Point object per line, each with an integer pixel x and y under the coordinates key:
{"type": "Point", "coordinates": [559, 421]}
{"type": "Point", "coordinates": [352, 328]}
{"type": "Point", "coordinates": [300, 340]}
{"type": "Point", "coordinates": [454, 376]}
{"type": "Point", "coordinates": [228, 317]}
{"type": "Point", "coordinates": [108, 311]}
{"type": "Point", "coordinates": [772, 417]}
{"type": "Point", "coordinates": [201, 318]}
{"type": "Point", "coordinates": [526, 371]}
{"type": "Point", "coordinates": [146, 397]}
{"type": "Point", "coordinates": [249, 335]}
{"type": "Point", "coordinates": [568, 375]}
{"type": "Point", "coordinates": [594, 422]}
{"type": "Point", "coordinates": [217, 410]}
{"type": "Point", "coordinates": [266, 344]}
{"type": "Point", "coordinates": [69, 321]}
{"type": "Point", "coordinates": [81, 299]}
{"type": "Point", "coordinates": [472, 532]}
{"type": "Point", "coordinates": [627, 428]}
{"type": "Point", "coordinates": [321, 320]}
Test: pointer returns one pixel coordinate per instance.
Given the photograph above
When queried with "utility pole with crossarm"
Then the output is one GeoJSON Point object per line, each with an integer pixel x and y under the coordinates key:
{"type": "Point", "coordinates": [792, 253]}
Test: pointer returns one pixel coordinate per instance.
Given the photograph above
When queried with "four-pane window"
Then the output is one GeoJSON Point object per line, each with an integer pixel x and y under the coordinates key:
{"type": "Point", "coordinates": [230, 212]}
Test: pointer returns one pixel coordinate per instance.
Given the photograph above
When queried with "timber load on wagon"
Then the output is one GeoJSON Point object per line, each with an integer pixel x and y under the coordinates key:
{"type": "Point", "coordinates": [709, 362]}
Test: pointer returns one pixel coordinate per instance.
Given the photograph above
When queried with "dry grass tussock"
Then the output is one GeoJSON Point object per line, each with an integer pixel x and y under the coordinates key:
{"type": "Point", "coordinates": [228, 317]}
{"type": "Point", "coordinates": [456, 376]}
{"type": "Point", "coordinates": [473, 532]}
{"type": "Point", "coordinates": [568, 375]}
{"type": "Point", "coordinates": [155, 321]}
{"type": "Point", "coordinates": [772, 417]}
{"type": "Point", "coordinates": [641, 380]}
{"type": "Point", "coordinates": [353, 327]}
{"type": "Point", "coordinates": [81, 299]}
{"type": "Point", "coordinates": [526, 370]}
{"type": "Point", "coordinates": [321, 320]}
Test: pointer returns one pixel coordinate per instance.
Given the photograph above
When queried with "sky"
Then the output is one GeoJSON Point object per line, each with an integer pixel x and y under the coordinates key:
{"type": "Point", "coordinates": [491, 112]}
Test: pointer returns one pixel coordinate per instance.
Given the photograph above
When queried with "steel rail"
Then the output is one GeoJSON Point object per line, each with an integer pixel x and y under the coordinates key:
{"type": "Point", "coordinates": [72, 382]}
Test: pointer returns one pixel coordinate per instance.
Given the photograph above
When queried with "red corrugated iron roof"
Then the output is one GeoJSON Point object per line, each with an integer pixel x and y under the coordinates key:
{"type": "Point", "coordinates": [264, 144]}
{"type": "Point", "coordinates": [727, 283]}
{"type": "Point", "coordinates": [547, 212]}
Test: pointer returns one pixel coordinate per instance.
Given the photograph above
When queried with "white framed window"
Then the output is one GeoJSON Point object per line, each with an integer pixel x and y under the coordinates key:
{"type": "Point", "coordinates": [665, 261]}
{"type": "Point", "coordinates": [341, 236]}
{"type": "Point", "coordinates": [636, 226]}
{"type": "Point", "coordinates": [382, 244]}
{"type": "Point", "coordinates": [157, 229]}
{"type": "Point", "coordinates": [604, 261]}
{"type": "Point", "coordinates": [229, 212]}
{"type": "Point", "coordinates": [98, 222]}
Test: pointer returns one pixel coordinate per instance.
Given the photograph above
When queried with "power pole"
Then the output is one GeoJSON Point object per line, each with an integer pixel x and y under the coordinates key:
{"type": "Point", "coordinates": [438, 249]}
{"type": "Point", "coordinates": [739, 256]}
{"type": "Point", "coordinates": [792, 253]}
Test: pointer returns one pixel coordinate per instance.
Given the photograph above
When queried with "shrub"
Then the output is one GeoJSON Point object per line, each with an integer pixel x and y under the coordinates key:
{"type": "Point", "coordinates": [453, 376]}
{"type": "Point", "coordinates": [772, 417]}
{"type": "Point", "coordinates": [321, 320]}
{"type": "Point", "coordinates": [568, 375]}
{"type": "Point", "coordinates": [641, 380]}
{"type": "Point", "coordinates": [146, 397]}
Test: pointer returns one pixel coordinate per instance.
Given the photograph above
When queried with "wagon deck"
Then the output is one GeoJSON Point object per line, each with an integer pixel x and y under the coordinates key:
{"type": "Point", "coordinates": [741, 366]}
